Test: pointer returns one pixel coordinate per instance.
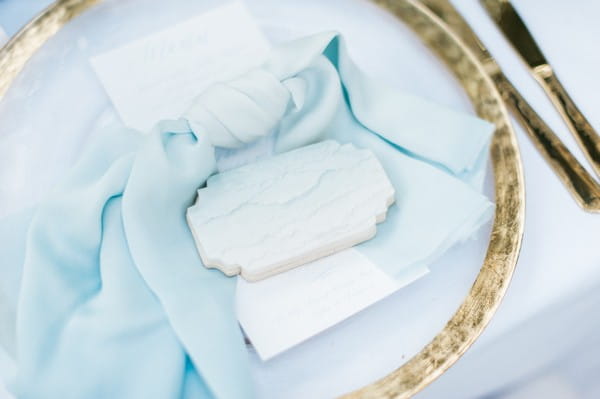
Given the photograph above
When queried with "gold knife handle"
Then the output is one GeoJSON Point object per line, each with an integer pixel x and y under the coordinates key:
{"type": "Point", "coordinates": [583, 131]}
{"type": "Point", "coordinates": [573, 175]}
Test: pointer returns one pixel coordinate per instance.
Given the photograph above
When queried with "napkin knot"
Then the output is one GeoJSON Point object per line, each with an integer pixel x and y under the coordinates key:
{"type": "Point", "coordinates": [240, 111]}
{"type": "Point", "coordinates": [257, 96]}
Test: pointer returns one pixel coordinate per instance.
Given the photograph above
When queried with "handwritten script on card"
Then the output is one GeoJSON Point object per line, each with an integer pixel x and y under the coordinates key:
{"type": "Point", "coordinates": [158, 76]}
{"type": "Point", "coordinates": [285, 310]}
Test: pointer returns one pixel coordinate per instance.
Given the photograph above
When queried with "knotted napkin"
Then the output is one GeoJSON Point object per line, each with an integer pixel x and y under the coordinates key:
{"type": "Point", "coordinates": [114, 300]}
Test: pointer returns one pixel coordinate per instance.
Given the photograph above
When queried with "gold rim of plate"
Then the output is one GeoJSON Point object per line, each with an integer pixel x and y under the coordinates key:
{"type": "Point", "coordinates": [489, 288]}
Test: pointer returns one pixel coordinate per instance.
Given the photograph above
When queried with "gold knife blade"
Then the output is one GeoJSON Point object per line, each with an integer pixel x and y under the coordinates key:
{"type": "Point", "coordinates": [573, 175]}
{"type": "Point", "coordinates": [513, 27]}
{"type": "Point", "coordinates": [515, 30]}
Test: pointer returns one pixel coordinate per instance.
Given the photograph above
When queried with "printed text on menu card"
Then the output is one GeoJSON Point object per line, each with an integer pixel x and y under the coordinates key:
{"type": "Point", "coordinates": [158, 76]}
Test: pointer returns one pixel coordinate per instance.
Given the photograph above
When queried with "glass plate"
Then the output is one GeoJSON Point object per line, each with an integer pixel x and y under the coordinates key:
{"type": "Point", "coordinates": [55, 104]}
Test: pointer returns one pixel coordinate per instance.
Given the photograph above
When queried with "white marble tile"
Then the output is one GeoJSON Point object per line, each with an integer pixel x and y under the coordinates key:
{"type": "Point", "coordinates": [279, 213]}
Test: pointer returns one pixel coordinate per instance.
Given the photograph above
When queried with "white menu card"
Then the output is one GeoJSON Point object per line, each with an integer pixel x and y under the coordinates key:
{"type": "Point", "coordinates": [157, 77]}
{"type": "Point", "coordinates": [284, 310]}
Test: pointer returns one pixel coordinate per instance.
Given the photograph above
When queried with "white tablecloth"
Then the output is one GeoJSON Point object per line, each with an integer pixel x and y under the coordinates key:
{"type": "Point", "coordinates": [549, 315]}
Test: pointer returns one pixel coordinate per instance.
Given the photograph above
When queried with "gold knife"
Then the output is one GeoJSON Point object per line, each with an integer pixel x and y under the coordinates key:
{"type": "Point", "coordinates": [514, 29]}
{"type": "Point", "coordinates": [573, 175]}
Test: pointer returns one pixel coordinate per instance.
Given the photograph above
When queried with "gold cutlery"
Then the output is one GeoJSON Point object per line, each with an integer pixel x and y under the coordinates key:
{"type": "Point", "coordinates": [514, 29]}
{"type": "Point", "coordinates": [573, 175]}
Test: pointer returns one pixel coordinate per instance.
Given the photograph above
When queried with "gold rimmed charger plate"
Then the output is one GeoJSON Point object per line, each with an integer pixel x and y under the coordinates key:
{"type": "Point", "coordinates": [489, 288]}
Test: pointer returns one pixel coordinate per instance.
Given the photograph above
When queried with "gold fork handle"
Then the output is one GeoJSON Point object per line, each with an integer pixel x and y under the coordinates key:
{"type": "Point", "coordinates": [573, 175]}
{"type": "Point", "coordinates": [583, 131]}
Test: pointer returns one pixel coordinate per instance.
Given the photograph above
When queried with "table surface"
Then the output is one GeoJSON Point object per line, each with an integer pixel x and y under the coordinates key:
{"type": "Point", "coordinates": [559, 262]}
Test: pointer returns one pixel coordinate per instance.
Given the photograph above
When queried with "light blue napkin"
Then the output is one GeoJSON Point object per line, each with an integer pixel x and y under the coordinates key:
{"type": "Point", "coordinates": [114, 300]}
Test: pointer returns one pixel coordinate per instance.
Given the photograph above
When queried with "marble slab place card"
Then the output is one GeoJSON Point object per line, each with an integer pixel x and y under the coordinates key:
{"type": "Point", "coordinates": [275, 214]}
{"type": "Point", "coordinates": [157, 77]}
{"type": "Point", "coordinates": [285, 310]}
